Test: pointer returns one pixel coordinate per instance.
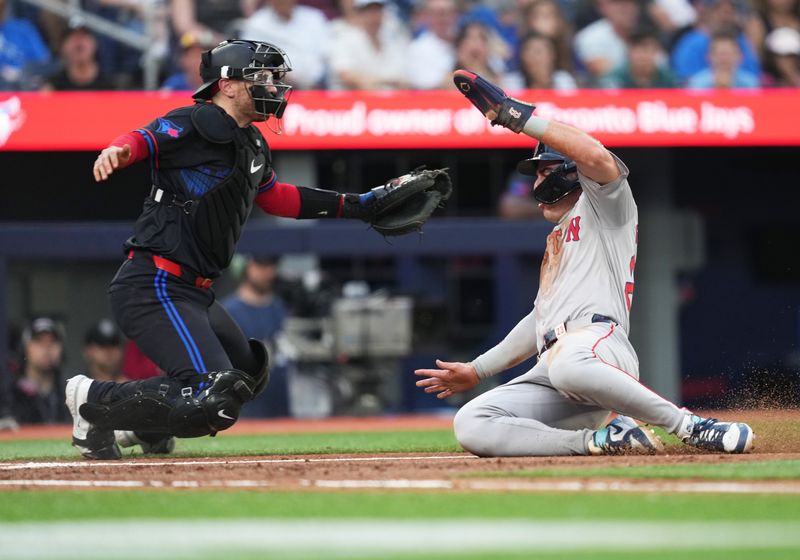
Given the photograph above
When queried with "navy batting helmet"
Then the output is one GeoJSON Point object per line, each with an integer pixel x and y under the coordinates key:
{"type": "Point", "coordinates": [262, 64]}
{"type": "Point", "coordinates": [559, 183]}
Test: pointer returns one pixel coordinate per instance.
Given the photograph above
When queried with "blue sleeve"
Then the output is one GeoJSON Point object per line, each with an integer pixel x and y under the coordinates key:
{"type": "Point", "coordinates": [166, 136]}
{"type": "Point", "coordinates": [37, 50]}
{"type": "Point", "coordinates": [689, 55]}
{"type": "Point", "coordinates": [749, 58]}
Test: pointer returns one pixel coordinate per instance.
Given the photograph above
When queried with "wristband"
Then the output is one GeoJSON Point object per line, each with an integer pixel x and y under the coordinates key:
{"type": "Point", "coordinates": [535, 127]}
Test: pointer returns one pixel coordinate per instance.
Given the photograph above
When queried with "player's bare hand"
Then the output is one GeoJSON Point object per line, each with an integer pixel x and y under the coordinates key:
{"type": "Point", "coordinates": [451, 378]}
{"type": "Point", "coordinates": [110, 159]}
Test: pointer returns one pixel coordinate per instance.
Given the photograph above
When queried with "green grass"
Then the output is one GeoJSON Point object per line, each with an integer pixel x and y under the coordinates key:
{"type": "Point", "coordinates": [435, 441]}
{"type": "Point", "coordinates": [124, 507]}
{"type": "Point", "coordinates": [755, 470]}
{"type": "Point", "coordinates": [71, 505]}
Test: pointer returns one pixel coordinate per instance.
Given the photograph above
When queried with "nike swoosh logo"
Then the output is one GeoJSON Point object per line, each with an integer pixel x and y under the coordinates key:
{"type": "Point", "coordinates": [254, 167]}
{"type": "Point", "coordinates": [222, 414]}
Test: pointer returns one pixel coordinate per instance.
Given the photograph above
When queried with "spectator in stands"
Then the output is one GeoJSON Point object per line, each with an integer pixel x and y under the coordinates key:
{"type": "Point", "coordinates": [188, 78]}
{"type": "Point", "coordinates": [501, 18]}
{"type": "Point", "coordinates": [301, 31]}
{"type": "Point", "coordinates": [103, 348]}
{"type": "Point", "coordinates": [38, 390]}
{"type": "Point", "coordinates": [771, 15]}
{"type": "Point", "coordinates": [782, 57]}
{"type": "Point", "coordinates": [602, 46]}
{"type": "Point", "coordinates": [672, 17]}
{"type": "Point", "coordinates": [725, 65]}
{"type": "Point", "coordinates": [209, 20]}
{"type": "Point", "coordinates": [123, 64]}
{"type": "Point", "coordinates": [80, 70]}
{"type": "Point", "coordinates": [690, 53]}
{"type": "Point", "coordinates": [261, 313]}
{"type": "Point", "coordinates": [23, 52]}
{"type": "Point", "coordinates": [645, 66]}
{"type": "Point", "coordinates": [361, 57]}
{"type": "Point", "coordinates": [474, 53]}
{"type": "Point", "coordinates": [432, 53]}
{"type": "Point", "coordinates": [778, 13]}
{"type": "Point", "coordinates": [346, 17]}
{"type": "Point", "coordinates": [544, 17]}
{"type": "Point", "coordinates": [537, 65]}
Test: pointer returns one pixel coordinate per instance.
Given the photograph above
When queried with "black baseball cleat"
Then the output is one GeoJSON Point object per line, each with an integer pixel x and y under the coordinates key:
{"type": "Point", "coordinates": [157, 444]}
{"type": "Point", "coordinates": [92, 442]}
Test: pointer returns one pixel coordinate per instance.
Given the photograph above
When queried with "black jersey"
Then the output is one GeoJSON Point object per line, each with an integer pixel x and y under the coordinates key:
{"type": "Point", "coordinates": [206, 171]}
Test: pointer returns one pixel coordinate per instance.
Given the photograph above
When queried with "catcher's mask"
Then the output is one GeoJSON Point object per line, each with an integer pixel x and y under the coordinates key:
{"type": "Point", "coordinates": [262, 64]}
{"type": "Point", "coordinates": [561, 181]}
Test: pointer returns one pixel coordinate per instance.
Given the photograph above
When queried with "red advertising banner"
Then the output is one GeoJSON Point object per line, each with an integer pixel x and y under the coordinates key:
{"type": "Point", "coordinates": [422, 120]}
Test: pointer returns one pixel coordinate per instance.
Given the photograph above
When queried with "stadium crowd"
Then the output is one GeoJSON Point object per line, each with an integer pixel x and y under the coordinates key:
{"type": "Point", "coordinates": [415, 44]}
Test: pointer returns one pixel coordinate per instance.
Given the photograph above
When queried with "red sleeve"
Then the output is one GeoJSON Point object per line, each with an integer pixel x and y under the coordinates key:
{"type": "Point", "coordinates": [280, 199]}
{"type": "Point", "coordinates": [137, 143]}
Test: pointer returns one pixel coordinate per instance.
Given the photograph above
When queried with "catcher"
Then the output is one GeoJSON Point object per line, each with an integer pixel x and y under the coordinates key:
{"type": "Point", "coordinates": [208, 166]}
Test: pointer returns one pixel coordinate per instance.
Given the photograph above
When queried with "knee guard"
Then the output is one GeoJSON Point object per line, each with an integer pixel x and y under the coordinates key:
{"type": "Point", "coordinates": [261, 374]}
{"type": "Point", "coordinates": [223, 399]}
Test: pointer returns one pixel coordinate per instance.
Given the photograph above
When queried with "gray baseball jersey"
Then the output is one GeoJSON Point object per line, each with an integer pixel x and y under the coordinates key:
{"type": "Point", "coordinates": [554, 408]}
{"type": "Point", "coordinates": [591, 253]}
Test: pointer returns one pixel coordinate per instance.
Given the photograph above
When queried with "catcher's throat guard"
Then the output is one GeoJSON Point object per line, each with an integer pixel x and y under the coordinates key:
{"type": "Point", "coordinates": [492, 101]}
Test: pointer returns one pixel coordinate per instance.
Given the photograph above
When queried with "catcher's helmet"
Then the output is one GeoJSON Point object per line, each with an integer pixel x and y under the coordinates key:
{"type": "Point", "coordinates": [260, 63]}
{"type": "Point", "coordinates": [558, 183]}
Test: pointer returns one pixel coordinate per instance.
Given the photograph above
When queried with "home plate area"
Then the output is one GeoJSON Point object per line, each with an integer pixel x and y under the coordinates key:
{"type": "Point", "coordinates": [391, 471]}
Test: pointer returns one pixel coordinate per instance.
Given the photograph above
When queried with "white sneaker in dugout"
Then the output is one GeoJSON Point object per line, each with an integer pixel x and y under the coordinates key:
{"type": "Point", "coordinates": [159, 445]}
{"type": "Point", "coordinates": [711, 434]}
{"type": "Point", "coordinates": [92, 442]}
{"type": "Point", "coordinates": [624, 436]}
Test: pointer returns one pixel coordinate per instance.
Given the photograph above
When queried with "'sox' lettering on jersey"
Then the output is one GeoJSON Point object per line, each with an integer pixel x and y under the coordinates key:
{"type": "Point", "coordinates": [574, 230]}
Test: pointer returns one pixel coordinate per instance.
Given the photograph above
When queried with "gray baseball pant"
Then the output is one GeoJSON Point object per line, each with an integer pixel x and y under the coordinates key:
{"type": "Point", "coordinates": [554, 408]}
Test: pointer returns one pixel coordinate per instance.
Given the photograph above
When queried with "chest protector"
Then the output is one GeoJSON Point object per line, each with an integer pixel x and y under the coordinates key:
{"type": "Point", "coordinates": [218, 216]}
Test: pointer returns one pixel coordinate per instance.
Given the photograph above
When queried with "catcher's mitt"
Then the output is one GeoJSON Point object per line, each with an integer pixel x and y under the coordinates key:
{"type": "Point", "coordinates": [404, 203]}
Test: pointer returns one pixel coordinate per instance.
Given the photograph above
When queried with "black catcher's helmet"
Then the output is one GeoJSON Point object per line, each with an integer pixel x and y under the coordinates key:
{"type": "Point", "coordinates": [263, 64]}
{"type": "Point", "coordinates": [558, 183]}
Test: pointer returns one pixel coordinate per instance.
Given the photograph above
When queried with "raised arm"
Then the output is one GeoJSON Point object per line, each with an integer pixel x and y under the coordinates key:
{"type": "Point", "coordinates": [123, 151]}
{"type": "Point", "coordinates": [592, 158]}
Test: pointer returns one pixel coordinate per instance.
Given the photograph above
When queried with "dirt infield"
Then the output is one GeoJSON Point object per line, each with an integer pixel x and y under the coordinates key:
{"type": "Point", "coordinates": [777, 439]}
